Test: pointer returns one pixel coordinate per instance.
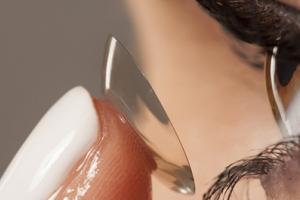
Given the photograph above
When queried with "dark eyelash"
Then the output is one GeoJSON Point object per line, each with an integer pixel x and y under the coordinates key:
{"type": "Point", "coordinates": [267, 23]}
{"type": "Point", "coordinates": [252, 168]}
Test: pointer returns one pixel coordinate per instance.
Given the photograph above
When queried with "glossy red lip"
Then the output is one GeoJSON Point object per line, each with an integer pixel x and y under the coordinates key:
{"type": "Point", "coordinates": [118, 165]}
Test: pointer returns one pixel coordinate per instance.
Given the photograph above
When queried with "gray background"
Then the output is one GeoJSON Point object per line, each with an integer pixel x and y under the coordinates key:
{"type": "Point", "coordinates": [46, 48]}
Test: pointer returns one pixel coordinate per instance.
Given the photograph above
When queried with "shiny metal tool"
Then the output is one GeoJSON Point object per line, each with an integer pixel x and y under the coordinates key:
{"type": "Point", "coordinates": [128, 89]}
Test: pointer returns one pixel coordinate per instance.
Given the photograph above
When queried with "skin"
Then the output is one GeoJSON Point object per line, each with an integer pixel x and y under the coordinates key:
{"type": "Point", "coordinates": [220, 108]}
{"type": "Point", "coordinates": [283, 182]}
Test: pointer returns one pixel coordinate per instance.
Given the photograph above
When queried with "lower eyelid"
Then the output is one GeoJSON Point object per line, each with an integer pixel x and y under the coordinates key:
{"type": "Point", "coordinates": [284, 180]}
{"type": "Point", "coordinates": [277, 168]}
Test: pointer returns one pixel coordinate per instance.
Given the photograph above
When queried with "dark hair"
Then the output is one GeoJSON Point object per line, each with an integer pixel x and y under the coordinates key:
{"type": "Point", "coordinates": [267, 23]}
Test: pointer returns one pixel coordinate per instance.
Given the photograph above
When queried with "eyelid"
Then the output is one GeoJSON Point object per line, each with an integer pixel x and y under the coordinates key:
{"type": "Point", "coordinates": [255, 167]}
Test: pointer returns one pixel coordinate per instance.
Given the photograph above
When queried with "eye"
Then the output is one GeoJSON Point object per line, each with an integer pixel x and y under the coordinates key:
{"type": "Point", "coordinates": [277, 168]}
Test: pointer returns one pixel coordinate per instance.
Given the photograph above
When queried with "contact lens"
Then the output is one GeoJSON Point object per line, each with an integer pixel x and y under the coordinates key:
{"type": "Point", "coordinates": [283, 86]}
{"type": "Point", "coordinates": [127, 89]}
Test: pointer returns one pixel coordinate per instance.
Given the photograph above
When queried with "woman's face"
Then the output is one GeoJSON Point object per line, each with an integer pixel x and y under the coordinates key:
{"type": "Point", "coordinates": [218, 104]}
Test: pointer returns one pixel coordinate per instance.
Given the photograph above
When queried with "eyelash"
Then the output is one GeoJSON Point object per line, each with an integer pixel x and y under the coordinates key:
{"type": "Point", "coordinates": [252, 168]}
{"type": "Point", "coordinates": [266, 23]}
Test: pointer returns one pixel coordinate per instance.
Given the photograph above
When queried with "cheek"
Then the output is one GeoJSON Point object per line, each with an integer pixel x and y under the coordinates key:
{"type": "Point", "coordinates": [221, 112]}
{"type": "Point", "coordinates": [283, 182]}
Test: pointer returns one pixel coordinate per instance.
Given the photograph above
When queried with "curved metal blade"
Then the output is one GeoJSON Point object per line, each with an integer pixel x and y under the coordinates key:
{"type": "Point", "coordinates": [127, 88]}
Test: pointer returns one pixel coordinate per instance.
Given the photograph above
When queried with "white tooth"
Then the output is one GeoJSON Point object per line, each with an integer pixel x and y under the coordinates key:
{"type": "Point", "coordinates": [61, 138]}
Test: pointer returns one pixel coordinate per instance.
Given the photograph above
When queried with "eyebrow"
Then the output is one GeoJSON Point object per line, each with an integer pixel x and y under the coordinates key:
{"type": "Point", "coordinates": [267, 23]}
{"type": "Point", "coordinates": [255, 167]}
